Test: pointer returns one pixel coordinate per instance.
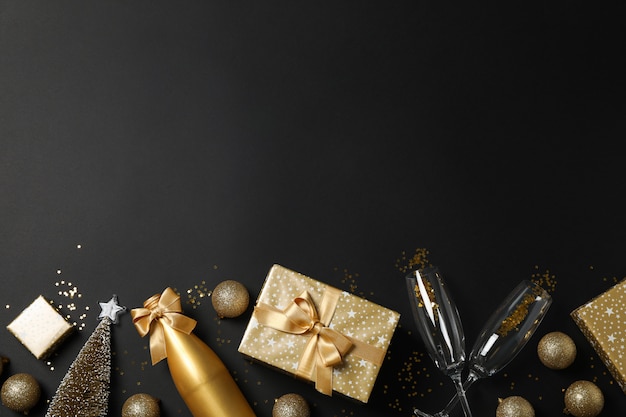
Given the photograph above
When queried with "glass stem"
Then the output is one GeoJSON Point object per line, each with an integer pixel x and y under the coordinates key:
{"type": "Point", "coordinates": [459, 396]}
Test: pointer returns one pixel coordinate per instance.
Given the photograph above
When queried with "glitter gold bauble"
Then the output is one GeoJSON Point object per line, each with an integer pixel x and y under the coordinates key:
{"type": "Point", "coordinates": [514, 406]}
{"type": "Point", "coordinates": [556, 350]}
{"type": "Point", "coordinates": [583, 399]}
{"type": "Point", "coordinates": [141, 405]}
{"type": "Point", "coordinates": [20, 392]}
{"type": "Point", "coordinates": [291, 405]}
{"type": "Point", "coordinates": [230, 299]}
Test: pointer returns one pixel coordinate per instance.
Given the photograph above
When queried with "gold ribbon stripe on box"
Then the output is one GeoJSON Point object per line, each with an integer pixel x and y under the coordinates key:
{"type": "Point", "coordinates": [326, 347]}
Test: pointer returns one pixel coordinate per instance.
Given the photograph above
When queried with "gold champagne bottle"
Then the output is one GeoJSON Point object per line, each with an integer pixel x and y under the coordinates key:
{"type": "Point", "coordinates": [201, 378]}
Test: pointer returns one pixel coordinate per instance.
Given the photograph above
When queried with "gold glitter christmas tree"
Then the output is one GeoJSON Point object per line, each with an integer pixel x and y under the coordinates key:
{"type": "Point", "coordinates": [84, 390]}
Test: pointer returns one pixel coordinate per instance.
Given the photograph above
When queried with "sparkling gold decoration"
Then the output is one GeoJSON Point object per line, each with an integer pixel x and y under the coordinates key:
{"type": "Point", "coordinates": [291, 405]}
{"type": "Point", "coordinates": [230, 299]}
{"type": "Point", "coordinates": [516, 317]}
{"type": "Point", "coordinates": [556, 350]}
{"type": "Point", "coordinates": [20, 392]}
{"type": "Point", "coordinates": [418, 260]}
{"type": "Point", "coordinates": [40, 328]}
{"type": "Point", "coordinates": [583, 399]}
{"type": "Point", "coordinates": [72, 295]}
{"type": "Point", "coordinates": [197, 294]}
{"type": "Point", "coordinates": [141, 405]}
{"type": "Point", "coordinates": [429, 292]}
{"type": "Point", "coordinates": [602, 322]}
{"type": "Point", "coordinates": [349, 280]}
{"type": "Point", "coordinates": [322, 314]}
{"type": "Point", "coordinates": [514, 406]}
{"type": "Point", "coordinates": [544, 279]}
{"type": "Point", "coordinates": [201, 378]}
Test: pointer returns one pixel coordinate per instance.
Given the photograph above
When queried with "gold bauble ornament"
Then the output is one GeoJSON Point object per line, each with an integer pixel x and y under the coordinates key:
{"type": "Point", "coordinates": [141, 405]}
{"type": "Point", "coordinates": [514, 406]}
{"type": "Point", "coordinates": [556, 350]}
{"type": "Point", "coordinates": [291, 405]}
{"type": "Point", "coordinates": [20, 392]}
{"type": "Point", "coordinates": [583, 399]}
{"type": "Point", "coordinates": [230, 299]}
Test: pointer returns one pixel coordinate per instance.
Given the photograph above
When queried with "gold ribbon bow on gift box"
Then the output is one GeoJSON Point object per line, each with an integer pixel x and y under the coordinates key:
{"type": "Point", "coordinates": [159, 310]}
{"type": "Point", "coordinates": [326, 347]}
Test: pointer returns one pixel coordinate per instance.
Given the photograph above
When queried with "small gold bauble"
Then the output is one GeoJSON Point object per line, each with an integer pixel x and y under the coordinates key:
{"type": "Point", "coordinates": [141, 405]}
{"type": "Point", "coordinates": [291, 405]}
{"type": "Point", "coordinates": [514, 406]}
{"type": "Point", "coordinates": [556, 350]}
{"type": "Point", "coordinates": [230, 299]}
{"type": "Point", "coordinates": [20, 392]}
{"type": "Point", "coordinates": [583, 399]}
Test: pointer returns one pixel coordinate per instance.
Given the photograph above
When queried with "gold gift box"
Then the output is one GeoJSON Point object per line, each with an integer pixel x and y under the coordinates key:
{"type": "Point", "coordinates": [40, 328]}
{"type": "Point", "coordinates": [602, 322]}
{"type": "Point", "coordinates": [319, 333]}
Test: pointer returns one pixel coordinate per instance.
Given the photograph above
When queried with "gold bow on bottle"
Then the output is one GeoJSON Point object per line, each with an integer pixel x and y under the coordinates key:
{"type": "Point", "coordinates": [161, 310]}
{"type": "Point", "coordinates": [326, 347]}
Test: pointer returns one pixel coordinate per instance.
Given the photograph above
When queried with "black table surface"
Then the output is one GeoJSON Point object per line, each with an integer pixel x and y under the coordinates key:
{"type": "Point", "coordinates": [154, 144]}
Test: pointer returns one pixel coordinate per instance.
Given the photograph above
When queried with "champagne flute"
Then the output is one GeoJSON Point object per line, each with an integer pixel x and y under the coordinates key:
{"type": "Point", "coordinates": [439, 325]}
{"type": "Point", "coordinates": [503, 336]}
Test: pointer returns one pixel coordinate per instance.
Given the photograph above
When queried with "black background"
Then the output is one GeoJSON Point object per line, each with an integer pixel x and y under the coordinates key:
{"type": "Point", "coordinates": [185, 143]}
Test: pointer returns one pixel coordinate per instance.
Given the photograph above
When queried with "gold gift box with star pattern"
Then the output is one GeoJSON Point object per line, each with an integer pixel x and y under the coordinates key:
{"type": "Point", "coordinates": [602, 321]}
{"type": "Point", "coordinates": [318, 333]}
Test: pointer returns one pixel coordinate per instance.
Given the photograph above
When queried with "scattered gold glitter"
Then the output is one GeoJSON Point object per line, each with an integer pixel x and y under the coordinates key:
{"type": "Point", "coordinates": [544, 279]}
{"type": "Point", "coordinates": [613, 279]}
{"type": "Point", "coordinates": [349, 280]}
{"type": "Point", "coordinates": [197, 293]}
{"type": "Point", "coordinates": [417, 260]}
{"type": "Point", "coordinates": [71, 292]}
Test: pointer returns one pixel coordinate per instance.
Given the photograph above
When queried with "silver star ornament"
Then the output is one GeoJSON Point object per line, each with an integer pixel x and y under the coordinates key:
{"type": "Point", "coordinates": [111, 309]}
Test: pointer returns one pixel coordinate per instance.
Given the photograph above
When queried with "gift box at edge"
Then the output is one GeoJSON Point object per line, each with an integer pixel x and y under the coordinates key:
{"type": "Point", "coordinates": [602, 322]}
{"type": "Point", "coordinates": [319, 333]}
